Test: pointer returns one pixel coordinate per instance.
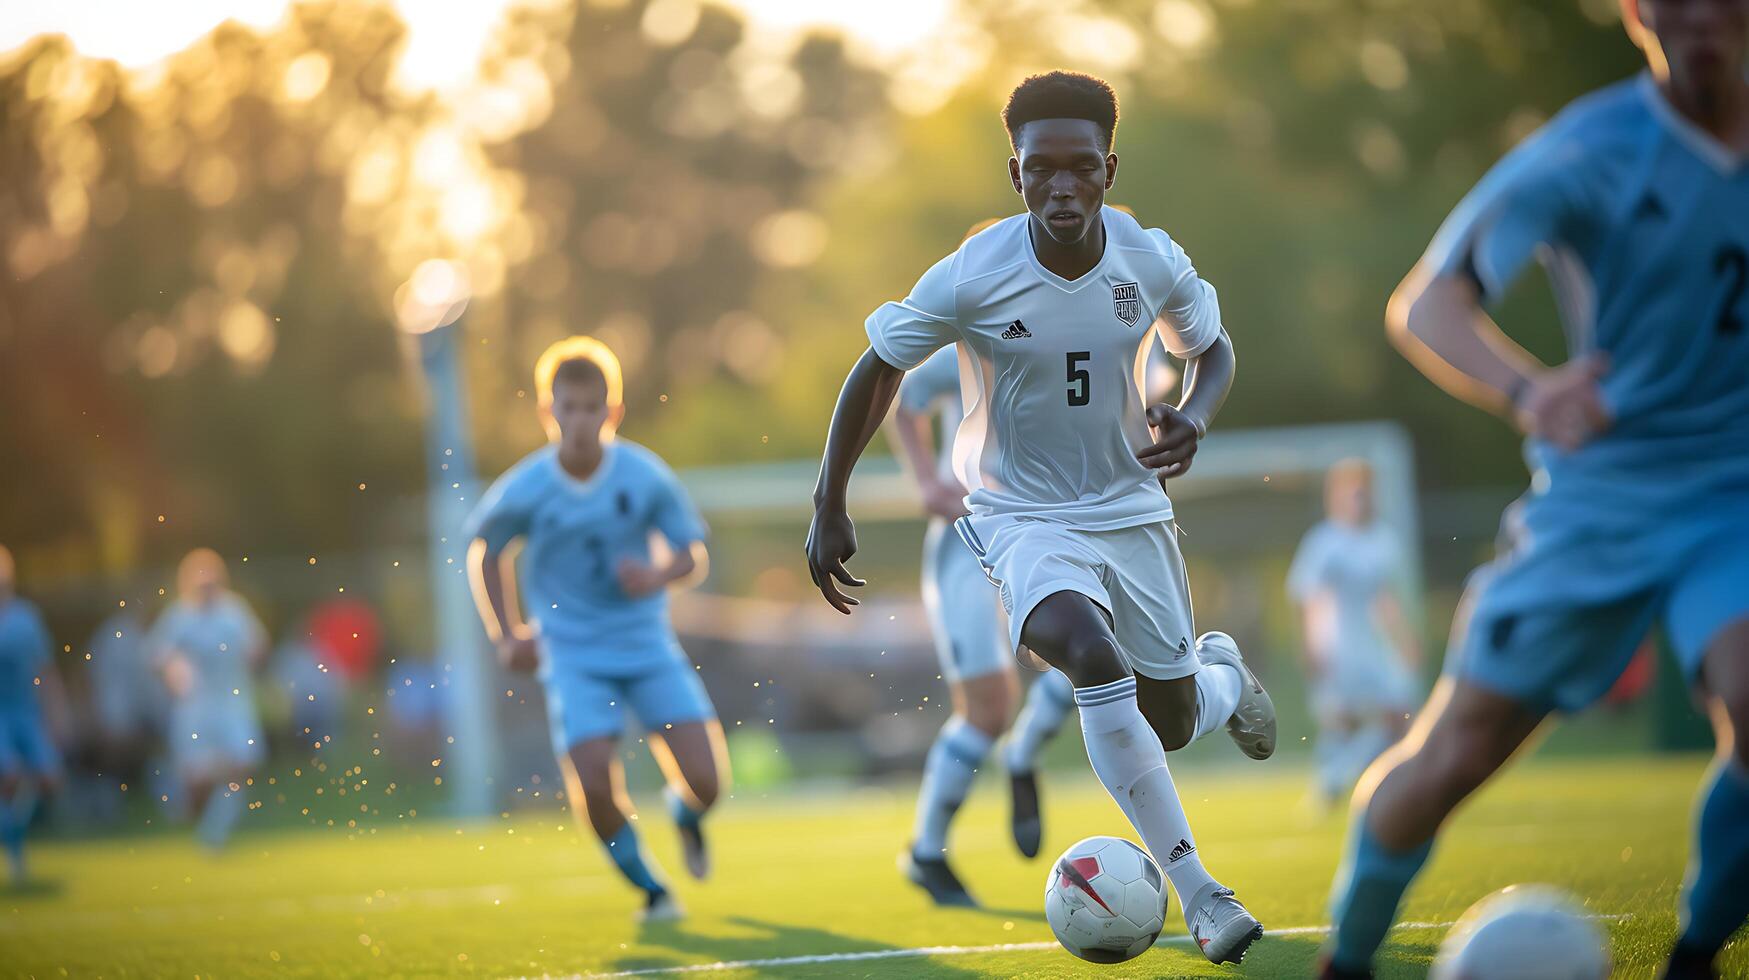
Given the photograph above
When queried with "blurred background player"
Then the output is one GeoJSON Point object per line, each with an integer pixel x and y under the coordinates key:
{"type": "Point", "coordinates": [607, 528]}
{"type": "Point", "coordinates": [207, 645]}
{"type": "Point", "coordinates": [31, 700]}
{"type": "Point", "coordinates": [1360, 654]}
{"type": "Point", "coordinates": [129, 705]}
{"type": "Point", "coordinates": [1064, 458]}
{"type": "Point", "coordinates": [971, 641]}
{"type": "Point", "coordinates": [1636, 198]}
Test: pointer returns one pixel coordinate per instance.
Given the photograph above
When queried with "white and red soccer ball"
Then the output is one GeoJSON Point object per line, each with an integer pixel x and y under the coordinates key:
{"type": "Point", "coordinates": [1106, 900]}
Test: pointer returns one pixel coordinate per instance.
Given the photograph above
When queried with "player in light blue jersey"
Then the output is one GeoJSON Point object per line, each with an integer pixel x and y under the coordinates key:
{"type": "Point", "coordinates": [31, 699]}
{"type": "Point", "coordinates": [1360, 654]}
{"type": "Point", "coordinates": [207, 645]}
{"type": "Point", "coordinates": [606, 529]}
{"type": "Point", "coordinates": [1636, 199]}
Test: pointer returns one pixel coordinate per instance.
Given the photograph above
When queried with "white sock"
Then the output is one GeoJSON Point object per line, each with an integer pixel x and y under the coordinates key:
{"type": "Point", "coordinates": [947, 774]}
{"type": "Point", "coordinates": [1332, 751]}
{"type": "Point", "coordinates": [1218, 689]}
{"type": "Point", "coordinates": [1128, 759]}
{"type": "Point", "coordinates": [223, 809]}
{"type": "Point", "coordinates": [1047, 705]}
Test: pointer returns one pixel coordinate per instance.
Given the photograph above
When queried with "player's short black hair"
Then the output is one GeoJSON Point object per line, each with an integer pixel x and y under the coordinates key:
{"type": "Point", "coordinates": [580, 370]}
{"type": "Point", "coordinates": [1062, 95]}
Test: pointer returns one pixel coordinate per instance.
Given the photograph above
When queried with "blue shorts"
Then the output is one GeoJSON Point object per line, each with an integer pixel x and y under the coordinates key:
{"type": "Point", "coordinates": [25, 746]}
{"type": "Point", "coordinates": [1564, 653]}
{"type": "Point", "coordinates": [584, 705]}
{"type": "Point", "coordinates": [965, 610]}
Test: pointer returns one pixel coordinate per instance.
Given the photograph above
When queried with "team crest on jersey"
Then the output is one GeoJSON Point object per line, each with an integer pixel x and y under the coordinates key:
{"type": "Point", "coordinates": [1126, 301]}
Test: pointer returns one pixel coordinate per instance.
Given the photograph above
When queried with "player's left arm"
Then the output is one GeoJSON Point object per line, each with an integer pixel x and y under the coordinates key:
{"type": "Point", "coordinates": [678, 522]}
{"type": "Point", "coordinates": [1188, 323]}
{"type": "Point", "coordinates": [1178, 429]}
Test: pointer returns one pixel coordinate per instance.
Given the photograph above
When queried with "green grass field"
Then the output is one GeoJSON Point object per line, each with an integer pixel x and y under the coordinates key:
{"type": "Point", "coordinates": [812, 874]}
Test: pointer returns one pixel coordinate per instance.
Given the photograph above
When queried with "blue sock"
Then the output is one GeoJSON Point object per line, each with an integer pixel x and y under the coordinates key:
{"type": "Point", "coordinates": [682, 812]}
{"type": "Point", "coordinates": [12, 834]}
{"type": "Point", "coordinates": [1363, 901]}
{"type": "Point", "coordinates": [629, 857]}
{"type": "Point", "coordinates": [1715, 896]}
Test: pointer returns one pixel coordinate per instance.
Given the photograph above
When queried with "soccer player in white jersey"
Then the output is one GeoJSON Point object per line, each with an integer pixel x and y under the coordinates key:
{"type": "Point", "coordinates": [1360, 654]}
{"type": "Point", "coordinates": [1636, 198]}
{"type": "Point", "coordinates": [207, 646]}
{"type": "Point", "coordinates": [1052, 312]}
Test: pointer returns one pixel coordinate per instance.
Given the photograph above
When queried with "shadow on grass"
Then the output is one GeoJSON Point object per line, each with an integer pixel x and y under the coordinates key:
{"type": "Point", "coordinates": [765, 941]}
{"type": "Point", "coordinates": [34, 888]}
{"type": "Point", "coordinates": [1289, 956]}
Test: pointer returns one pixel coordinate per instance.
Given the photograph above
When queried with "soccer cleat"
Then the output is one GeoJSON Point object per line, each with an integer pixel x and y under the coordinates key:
{"type": "Point", "coordinates": [1252, 726]}
{"type": "Point", "coordinates": [661, 906]}
{"type": "Point", "coordinates": [1686, 965]}
{"type": "Point", "coordinates": [1027, 823]}
{"type": "Point", "coordinates": [1220, 925]}
{"type": "Point", "coordinates": [694, 853]}
{"type": "Point", "coordinates": [935, 877]}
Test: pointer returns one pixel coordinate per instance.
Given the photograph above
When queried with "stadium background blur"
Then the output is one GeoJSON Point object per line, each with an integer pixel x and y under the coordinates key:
{"type": "Point", "coordinates": [207, 250]}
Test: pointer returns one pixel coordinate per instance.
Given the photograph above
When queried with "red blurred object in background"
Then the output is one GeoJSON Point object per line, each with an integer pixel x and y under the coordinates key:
{"type": "Point", "coordinates": [1637, 678]}
{"type": "Point", "coordinates": [347, 636]}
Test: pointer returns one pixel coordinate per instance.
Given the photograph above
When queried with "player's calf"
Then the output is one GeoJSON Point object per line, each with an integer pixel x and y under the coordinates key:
{"type": "Point", "coordinates": [1170, 708]}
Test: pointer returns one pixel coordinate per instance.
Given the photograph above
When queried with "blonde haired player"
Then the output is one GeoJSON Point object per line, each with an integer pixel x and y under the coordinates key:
{"type": "Point", "coordinates": [606, 529]}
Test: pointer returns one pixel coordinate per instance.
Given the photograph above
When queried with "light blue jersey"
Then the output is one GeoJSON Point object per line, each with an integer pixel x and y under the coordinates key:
{"type": "Point", "coordinates": [576, 533]}
{"type": "Point", "coordinates": [217, 640]}
{"type": "Point", "coordinates": [25, 649]}
{"type": "Point", "coordinates": [1642, 221]}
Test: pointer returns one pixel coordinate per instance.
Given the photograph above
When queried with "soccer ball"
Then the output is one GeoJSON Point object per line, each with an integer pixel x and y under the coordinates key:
{"type": "Point", "coordinates": [1523, 932]}
{"type": "Point", "coordinates": [1105, 899]}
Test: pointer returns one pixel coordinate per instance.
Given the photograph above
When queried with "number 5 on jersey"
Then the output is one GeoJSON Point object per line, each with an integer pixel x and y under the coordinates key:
{"type": "Point", "coordinates": [1080, 382]}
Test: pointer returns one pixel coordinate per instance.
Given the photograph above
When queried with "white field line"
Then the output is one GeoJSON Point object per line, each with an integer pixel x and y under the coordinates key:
{"type": "Point", "coordinates": [893, 954]}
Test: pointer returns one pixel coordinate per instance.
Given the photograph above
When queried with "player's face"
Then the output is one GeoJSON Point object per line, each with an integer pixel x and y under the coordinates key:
{"type": "Point", "coordinates": [1351, 502]}
{"type": "Point", "coordinates": [581, 412]}
{"type": "Point", "coordinates": [1703, 40]}
{"type": "Point", "coordinates": [1062, 170]}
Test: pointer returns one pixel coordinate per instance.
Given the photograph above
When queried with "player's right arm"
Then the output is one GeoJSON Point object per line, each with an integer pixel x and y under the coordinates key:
{"type": "Point", "coordinates": [901, 336]}
{"type": "Point", "coordinates": [501, 518]}
{"type": "Point", "coordinates": [1437, 317]}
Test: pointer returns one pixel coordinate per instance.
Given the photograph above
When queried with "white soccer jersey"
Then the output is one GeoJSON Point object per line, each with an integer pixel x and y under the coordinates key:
{"type": "Point", "coordinates": [1053, 371]}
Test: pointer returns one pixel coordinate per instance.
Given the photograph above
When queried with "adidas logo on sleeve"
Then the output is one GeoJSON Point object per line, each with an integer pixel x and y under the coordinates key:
{"type": "Point", "coordinates": [1016, 331]}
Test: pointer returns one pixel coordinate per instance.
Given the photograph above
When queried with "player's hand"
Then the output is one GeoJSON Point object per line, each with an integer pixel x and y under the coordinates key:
{"type": "Point", "coordinates": [1564, 405]}
{"type": "Point", "coordinates": [1175, 441]}
{"type": "Point", "coordinates": [945, 498]}
{"type": "Point", "coordinates": [178, 676]}
{"type": "Point", "coordinates": [637, 579]}
{"type": "Point", "coordinates": [518, 652]}
{"type": "Point", "coordinates": [831, 543]}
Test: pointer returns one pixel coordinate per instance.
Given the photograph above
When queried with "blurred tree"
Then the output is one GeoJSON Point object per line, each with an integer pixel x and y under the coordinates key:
{"type": "Point", "coordinates": [202, 257]}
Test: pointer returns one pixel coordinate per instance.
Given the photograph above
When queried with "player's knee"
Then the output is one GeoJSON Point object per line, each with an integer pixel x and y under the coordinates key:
{"type": "Point", "coordinates": [1092, 660]}
{"type": "Point", "coordinates": [989, 711]}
